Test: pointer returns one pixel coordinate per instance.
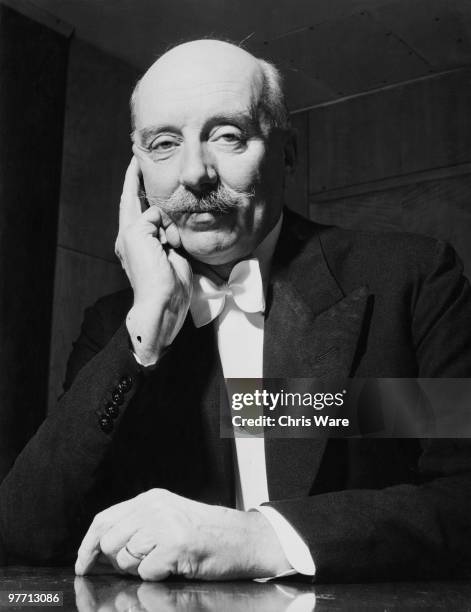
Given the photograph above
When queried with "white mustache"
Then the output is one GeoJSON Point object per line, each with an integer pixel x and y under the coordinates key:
{"type": "Point", "coordinates": [222, 200]}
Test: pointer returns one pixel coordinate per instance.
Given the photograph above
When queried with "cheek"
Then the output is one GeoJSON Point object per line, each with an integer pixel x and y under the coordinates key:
{"type": "Point", "coordinates": [159, 180]}
{"type": "Point", "coordinates": [241, 171]}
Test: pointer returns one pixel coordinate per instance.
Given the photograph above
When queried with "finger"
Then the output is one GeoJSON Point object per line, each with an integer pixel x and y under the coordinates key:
{"type": "Point", "coordinates": [115, 540]}
{"type": "Point", "coordinates": [127, 563]}
{"type": "Point", "coordinates": [182, 268]}
{"type": "Point", "coordinates": [103, 566]}
{"type": "Point", "coordinates": [118, 536]}
{"type": "Point", "coordinates": [117, 250]}
{"type": "Point", "coordinates": [142, 156]}
{"type": "Point", "coordinates": [156, 220]}
{"type": "Point", "coordinates": [162, 236]}
{"type": "Point", "coordinates": [90, 546]}
{"type": "Point", "coordinates": [133, 553]}
{"type": "Point", "coordinates": [120, 257]}
{"type": "Point", "coordinates": [173, 235]}
{"type": "Point", "coordinates": [131, 178]}
{"type": "Point", "coordinates": [130, 205]}
{"type": "Point", "coordinates": [158, 564]}
{"type": "Point", "coordinates": [153, 215]}
{"type": "Point", "coordinates": [171, 230]}
{"type": "Point", "coordinates": [157, 216]}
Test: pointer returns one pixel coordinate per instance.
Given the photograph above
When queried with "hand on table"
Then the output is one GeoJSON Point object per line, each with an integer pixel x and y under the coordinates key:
{"type": "Point", "coordinates": [147, 246]}
{"type": "Point", "coordinates": [158, 534]}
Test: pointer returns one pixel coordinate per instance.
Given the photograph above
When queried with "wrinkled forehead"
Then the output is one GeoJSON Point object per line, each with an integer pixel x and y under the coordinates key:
{"type": "Point", "coordinates": [185, 88]}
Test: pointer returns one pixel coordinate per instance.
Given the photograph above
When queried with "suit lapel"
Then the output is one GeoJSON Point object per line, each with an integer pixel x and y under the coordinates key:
{"type": "Point", "coordinates": [311, 331]}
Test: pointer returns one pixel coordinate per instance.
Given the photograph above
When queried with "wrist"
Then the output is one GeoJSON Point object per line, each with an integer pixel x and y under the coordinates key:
{"type": "Point", "coordinates": [144, 324]}
{"type": "Point", "coordinates": [268, 557]}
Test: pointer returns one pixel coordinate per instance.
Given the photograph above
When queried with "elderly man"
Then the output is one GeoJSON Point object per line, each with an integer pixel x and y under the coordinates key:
{"type": "Point", "coordinates": [224, 284]}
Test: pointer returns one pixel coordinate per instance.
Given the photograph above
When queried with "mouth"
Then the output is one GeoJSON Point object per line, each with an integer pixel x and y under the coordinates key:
{"type": "Point", "coordinates": [214, 213]}
{"type": "Point", "coordinates": [203, 213]}
{"type": "Point", "coordinates": [204, 219]}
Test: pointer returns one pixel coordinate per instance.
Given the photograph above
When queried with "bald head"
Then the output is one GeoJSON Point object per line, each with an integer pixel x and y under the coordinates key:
{"type": "Point", "coordinates": [189, 66]}
{"type": "Point", "coordinates": [198, 57]}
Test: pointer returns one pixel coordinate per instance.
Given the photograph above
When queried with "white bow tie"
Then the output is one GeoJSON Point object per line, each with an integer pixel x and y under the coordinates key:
{"type": "Point", "coordinates": [244, 285]}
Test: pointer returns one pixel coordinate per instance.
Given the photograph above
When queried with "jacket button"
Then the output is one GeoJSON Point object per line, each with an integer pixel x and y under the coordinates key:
{"type": "Point", "coordinates": [125, 383]}
{"type": "Point", "coordinates": [106, 424]}
{"type": "Point", "coordinates": [117, 397]}
{"type": "Point", "coordinates": [112, 410]}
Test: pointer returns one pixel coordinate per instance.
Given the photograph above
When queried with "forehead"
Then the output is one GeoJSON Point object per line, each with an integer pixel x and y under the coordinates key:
{"type": "Point", "coordinates": [188, 94]}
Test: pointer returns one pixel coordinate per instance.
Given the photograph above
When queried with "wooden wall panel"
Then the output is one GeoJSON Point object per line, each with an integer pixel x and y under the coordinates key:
{"type": "Point", "coordinates": [440, 209]}
{"type": "Point", "coordinates": [97, 149]}
{"type": "Point", "coordinates": [399, 130]}
{"type": "Point", "coordinates": [33, 67]}
{"type": "Point", "coordinates": [80, 280]}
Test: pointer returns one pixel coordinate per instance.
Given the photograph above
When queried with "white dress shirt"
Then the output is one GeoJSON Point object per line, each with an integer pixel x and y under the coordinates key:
{"type": "Point", "coordinates": [240, 344]}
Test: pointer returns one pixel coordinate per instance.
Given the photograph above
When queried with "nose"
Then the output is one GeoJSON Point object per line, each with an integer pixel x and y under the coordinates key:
{"type": "Point", "coordinates": [197, 170]}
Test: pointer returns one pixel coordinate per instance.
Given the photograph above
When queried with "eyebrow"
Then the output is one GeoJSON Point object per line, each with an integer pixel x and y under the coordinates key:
{"type": "Point", "coordinates": [245, 120]}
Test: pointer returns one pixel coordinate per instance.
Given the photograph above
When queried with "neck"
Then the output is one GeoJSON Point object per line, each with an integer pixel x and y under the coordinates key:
{"type": "Point", "coordinates": [223, 271]}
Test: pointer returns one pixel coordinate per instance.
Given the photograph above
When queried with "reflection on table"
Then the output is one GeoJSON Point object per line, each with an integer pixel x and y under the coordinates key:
{"type": "Point", "coordinates": [198, 596]}
{"type": "Point", "coordinates": [111, 592]}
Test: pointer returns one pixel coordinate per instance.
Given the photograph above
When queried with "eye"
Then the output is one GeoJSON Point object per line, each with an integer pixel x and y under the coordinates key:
{"type": "Point", "coordinates": [228, 135]}
{"type": "Point", "coordinates": [163, 144]}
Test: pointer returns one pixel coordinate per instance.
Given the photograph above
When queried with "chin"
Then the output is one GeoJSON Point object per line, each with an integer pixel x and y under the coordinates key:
{"type": "Point", "coordinates": [214, 247]}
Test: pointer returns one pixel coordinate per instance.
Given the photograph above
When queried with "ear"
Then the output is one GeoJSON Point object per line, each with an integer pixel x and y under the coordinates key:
{"type": "Point", "coordinates": [290, 151]}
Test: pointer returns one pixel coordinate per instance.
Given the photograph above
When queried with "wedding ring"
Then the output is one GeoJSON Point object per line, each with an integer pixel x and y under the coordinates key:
{"type": "Point", "coordinates": [138, 556]}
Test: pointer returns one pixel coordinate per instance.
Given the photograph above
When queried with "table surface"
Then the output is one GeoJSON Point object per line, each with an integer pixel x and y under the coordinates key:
{"type": "Point", "coordinates": [108, 592]}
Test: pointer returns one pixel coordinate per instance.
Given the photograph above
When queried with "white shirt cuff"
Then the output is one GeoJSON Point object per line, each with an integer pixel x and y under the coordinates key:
{"type": "Point", "coordinates": [150, 366]}
{"type": "Point", "coordinates": [295, 549]}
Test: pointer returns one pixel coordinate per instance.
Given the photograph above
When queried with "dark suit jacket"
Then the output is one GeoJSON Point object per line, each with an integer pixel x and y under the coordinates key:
{"type": "Point", "coordinates": [339, 303]}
